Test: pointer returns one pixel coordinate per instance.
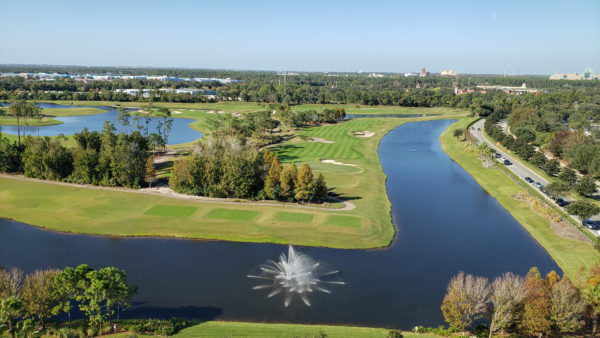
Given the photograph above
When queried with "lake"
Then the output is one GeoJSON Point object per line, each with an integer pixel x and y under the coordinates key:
{"type": "Point", "coordinates": [181, 132]}
{"type": "Point", "coordinates": [445, 223]}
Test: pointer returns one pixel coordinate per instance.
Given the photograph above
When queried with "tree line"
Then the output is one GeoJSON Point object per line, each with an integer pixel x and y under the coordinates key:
{"type": "Point", "coordinates": [223, 166]}
{"type": "Point", "coordinates": [530, 306]}
{"type": "Point", "coordinates": [106, 158]}
{"type": "Point", "coordinates": [28, 302]}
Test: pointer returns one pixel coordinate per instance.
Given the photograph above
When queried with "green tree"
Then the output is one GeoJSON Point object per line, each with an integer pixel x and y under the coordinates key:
{"type": "Point", "coordinates": [106, 288]}
{"type": "Point", "coordinates": [558, 188]}
{"type": "Point", "coordinates": [272, 185]}
{"type": "Point", "coordinates": [39, 294]}
{"type": "Point", "coordinates": [289, 176]}
{"type": "Point", "coordinates": [586, 186]}
{"type": "Point", "coordinates": [69, 285]}
{"type": "Point", "coordinates": [538, 159]}
{"type": "Point", "coordinates": [582, 209]}
{"type": "Point", "coordinates": [320, 189]}
{"type": "Point", "coordinates": [305, 183]}
{"type": "Point", "coordinates": [568, 175]}
{"type": "Point", "coordinates": [11, 310]}
{"type": "Point", "coordinates": [552, 167]}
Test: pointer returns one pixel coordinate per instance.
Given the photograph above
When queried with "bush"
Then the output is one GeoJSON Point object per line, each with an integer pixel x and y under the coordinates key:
{"type": "Point", "coordinates": [156, 326]}
{"type": "Point", "coordinates": [440, 330]}
{"type": "Point", "coordinates": [395, 334]}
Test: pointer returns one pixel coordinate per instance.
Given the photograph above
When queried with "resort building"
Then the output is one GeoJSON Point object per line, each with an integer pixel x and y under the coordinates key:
{"type": "Point", "coordinates": [448, 73]}
{"type": "Point", "coordinates": [588, 74]}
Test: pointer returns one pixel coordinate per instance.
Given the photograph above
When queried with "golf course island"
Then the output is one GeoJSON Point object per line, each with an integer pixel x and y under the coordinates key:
{"type": "Point", "coordinates": [355, 215]}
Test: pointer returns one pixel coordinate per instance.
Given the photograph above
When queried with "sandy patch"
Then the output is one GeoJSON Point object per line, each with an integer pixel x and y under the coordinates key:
{"type": "Point", "coordinates": [320, 140]}
{"type": "Point", "coordinates": [339, 163]}
{"type": "Point", "coordinates": [177, 112]}
{"type": "Point", "coordinates": [364, 133]}
{"type": "Point", "coordinates": [222, 112]}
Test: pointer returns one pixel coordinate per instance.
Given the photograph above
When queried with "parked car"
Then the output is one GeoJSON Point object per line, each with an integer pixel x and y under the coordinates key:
{"type": "Point", "coordinates": [561, 202]}
{"type": "Point", "coordinates": [507, 162]}
{"type": "Point", "coordinates": [538, 185]}
{"type": "Point", "coordinates": [528, 179]}
{"type": "Point", "coordinates": [498, 155]}
{"type": "Point", "coordinates": [590, 225]}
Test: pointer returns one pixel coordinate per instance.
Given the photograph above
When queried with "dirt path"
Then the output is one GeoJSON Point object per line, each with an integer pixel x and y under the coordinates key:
{"type": "Point", "coordinates": [168, 192]}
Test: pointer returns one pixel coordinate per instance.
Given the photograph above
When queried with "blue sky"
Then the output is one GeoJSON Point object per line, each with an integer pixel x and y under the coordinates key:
{"type": "Point", "coordinates": [539, 37]}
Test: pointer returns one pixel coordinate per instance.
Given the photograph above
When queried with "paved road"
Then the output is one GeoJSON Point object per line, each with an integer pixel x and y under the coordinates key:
{"type": "Point", "coordinates": [519, 169]}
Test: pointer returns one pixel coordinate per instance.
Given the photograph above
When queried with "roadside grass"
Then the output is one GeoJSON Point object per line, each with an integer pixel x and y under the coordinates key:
{"type": "Point", "coordinates": [122, 213]}
{"type": "Point", "coordinates": [233, 215]}
{"type": "Point", "coordinates": [244, 329]}
{"type": "Point", "coordinates": [569, 254]}
{"type": "Point", "coordinates": [71, 111]}
{"type": "Point", "coordinates": [345, 221]}
{"type": "Point", "coordinates": [171, 210]}
{"type": "Point", "coordinates": [294, 217]}
{"type": "Point", "coordinates": [11, 121]}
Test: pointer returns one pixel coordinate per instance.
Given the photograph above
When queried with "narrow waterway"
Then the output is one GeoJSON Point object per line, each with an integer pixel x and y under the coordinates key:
{"type": "Point", "coordinates": [445, 223]}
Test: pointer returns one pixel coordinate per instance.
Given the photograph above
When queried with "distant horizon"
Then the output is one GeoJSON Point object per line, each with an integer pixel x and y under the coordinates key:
{"type": "Point", "coordinates": [470, 37]}
{"type": "Point", "coordinates": [364, 72]}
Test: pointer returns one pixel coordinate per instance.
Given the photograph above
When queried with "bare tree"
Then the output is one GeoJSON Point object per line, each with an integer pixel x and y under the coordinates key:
{"type": "Point", "coordinates": [508, 291]}
{"type": "Point", "coordinates": [466, 300]}
{"type": "Point", "coordinates": [11, 281]}
{"type": "Point", "coordinates": [566, 306]}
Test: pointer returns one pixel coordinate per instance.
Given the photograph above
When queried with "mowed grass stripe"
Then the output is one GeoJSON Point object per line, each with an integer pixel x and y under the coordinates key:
{"type": "Point", "coordinates": [294, 217]}
{"type": "Point", "coordinates": [233, 215]}
{"type": "Point", "coordinates": [345, 221]}
{"type": "Point", "coordinates": [171, 210]}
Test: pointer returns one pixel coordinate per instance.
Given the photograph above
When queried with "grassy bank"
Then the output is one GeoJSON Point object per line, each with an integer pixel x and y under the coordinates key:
{"type": "Point", "coordinates": [241, 329]}
{"type": "Point", "coordinates": [120, 213]}
{"type": "Point", "coordinates": [569, 254]}
{"type": "Point", "coordinates": [71, 111]}
{"type": "Point", "coordinates": [46, 121]}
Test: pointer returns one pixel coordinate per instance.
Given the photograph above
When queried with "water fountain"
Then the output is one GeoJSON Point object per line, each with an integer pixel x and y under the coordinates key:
{"type": "Point", "coordinates": [295, 274]}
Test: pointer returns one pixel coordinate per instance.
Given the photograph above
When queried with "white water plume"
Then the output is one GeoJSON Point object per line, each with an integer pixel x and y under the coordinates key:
{"type": "Point", "coordinates": [294, 274]}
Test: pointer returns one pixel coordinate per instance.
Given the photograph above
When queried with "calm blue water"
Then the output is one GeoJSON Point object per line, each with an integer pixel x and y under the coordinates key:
{"type": "Point", "coordinates": [180, 129]}
{"type": "Point", "coordinates": [445, 223]}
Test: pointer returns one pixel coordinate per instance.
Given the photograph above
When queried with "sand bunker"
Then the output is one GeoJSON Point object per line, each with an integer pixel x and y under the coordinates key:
{"type": "Point", "coordinates": [177, 112]}
{"type": "Point", "coordinates": [320, 140]}
{"type": "Point", "coordinates": [338, 163]}
{"type": "Point", "coordinates": [364, 133]}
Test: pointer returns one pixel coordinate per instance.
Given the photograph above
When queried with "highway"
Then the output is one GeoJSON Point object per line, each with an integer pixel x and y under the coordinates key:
{"type": "Point", "coordinates": [521, 170]}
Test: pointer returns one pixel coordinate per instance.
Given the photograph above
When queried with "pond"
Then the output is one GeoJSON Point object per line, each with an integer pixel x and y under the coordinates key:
{"type": "Point", "coordinates": [181, 132]}
{"type": "Point", "coordinates": [445, 223]}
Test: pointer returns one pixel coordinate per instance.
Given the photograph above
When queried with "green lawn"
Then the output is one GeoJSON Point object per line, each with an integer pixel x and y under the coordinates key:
{"type": "Point", "coordinates": [233, 215]}
{"type": "Point", "coordinates": [46, 121]}
{"type": "Point", "coordinates": [294, 217]}
{"type": "Point", "coordinates": [71, 111]}
{"type": "Point", "coordinates": [121, 213]}
{"type": "Point", "coordinates": [241, 329]}
{"type": "Point", "coordinates": [171, 210]}
{"type": "Point", "coordinates": [569, 254]}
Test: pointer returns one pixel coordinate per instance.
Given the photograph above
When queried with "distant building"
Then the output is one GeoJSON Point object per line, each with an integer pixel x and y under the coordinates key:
{"type": "Point", "coordinates": [511, 90]}
{"type": "Point", "coordinates": [375, 75]}
{"type": "Point", "coordinates": [409, 74]}
{"type": "Point", "coordinates": [588, 74]}
{"type": "Point", "coordinates": [423, 72]}
{"type": "Point", "coordinates": [448, 73]}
